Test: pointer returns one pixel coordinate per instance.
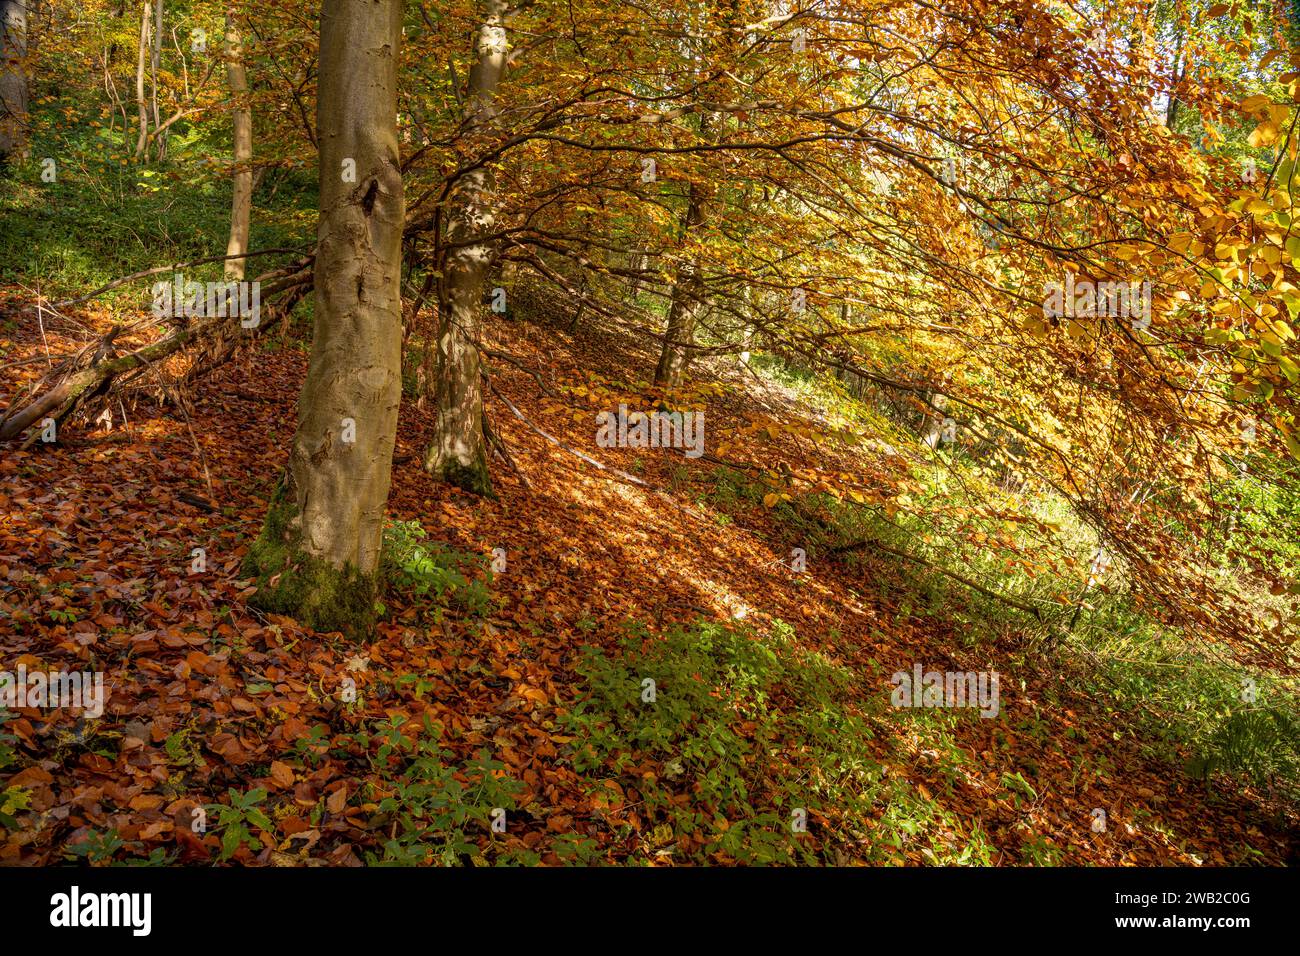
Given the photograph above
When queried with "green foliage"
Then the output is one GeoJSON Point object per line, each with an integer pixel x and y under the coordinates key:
{"type": "Point", "coordinates": [912, 819]}
{"type": "Point", "coordinates": [235, 818]}
{"type": "Point", "coordinates": [12, 800]}
{"type": "Point", "coordinates": [96, 847]}
{"type": "Point", "coordinates": [102, 849]}
{"type": "Point", "coordinates": [6, 740]}
{"type": "Point", "coordinates": [751, 726]}
{"type": "Point", "coordinates": [1262, 517]}
{"type": "Point", "coordinates": [1260, 742]}
{"type": "Point", "coordinates": [433, 576]}
{"type": "Point", "coordinates": [100, 219]}
{"type": "Point", "coordinates": [436, 811]}
{"type": "Point", "coordinates": [1189, 705]}
{"type": "Point", "coordinates": [1211, 716]}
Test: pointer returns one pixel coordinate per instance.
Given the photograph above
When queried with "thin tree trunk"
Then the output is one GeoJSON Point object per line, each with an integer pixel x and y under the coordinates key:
{"type": "Point", "coordinates": [155, 65]}
{"type": "Point", "coordinates": [684, 308]}
{"type": "Point", "coordinates": [318, 557]}
{"type": "Point", "coordinates": [1175, 77]}
{"type": "Point", "coordinates": [242, 201]}
{"type": "Point", "coordinates": [934, 423]}
{"type": "Point", "coordinates": [13, 80]}
{"type": "Point", "coordinates": [687, 300]}
{"type": "Point", "coordinates": [637, 262]}
{"type": "Point", "coordinates": [458, 452]}
{"type": "Point", "coordinates": [140, 102]}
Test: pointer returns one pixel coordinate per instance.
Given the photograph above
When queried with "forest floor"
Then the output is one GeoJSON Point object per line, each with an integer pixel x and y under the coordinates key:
{"type": "Point", "coordinates": [213, 704]}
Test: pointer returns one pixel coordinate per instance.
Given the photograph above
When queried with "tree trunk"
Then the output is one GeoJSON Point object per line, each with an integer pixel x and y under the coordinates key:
{"type": "Point", "coordinates": [458, 452]}
{"type": "Point", "coordinates": [1175, 75]}
{"type": "Point", "coordinates": [934, 423]}
{"type": "Point", "coordinates": [684, 308]}
{"type": "Point", "coordinates": [318, 557]}
{"type": "Point", "coordinates": [688, 281]}
{"type": "Point", "coordinates": [13, 80]}
{"type": "Point", "coordinates": [242, 200]}
{"type": "Point", "coordinates": [141, 104]}
{"type": "Point", "coordinates": [637, 261]}
{"type": "Point", "coordinates": [155, 64]}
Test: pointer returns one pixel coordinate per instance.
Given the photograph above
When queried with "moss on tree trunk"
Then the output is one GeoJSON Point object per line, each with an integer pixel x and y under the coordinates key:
{"type": "Point", "coordinates": [473, 478]}
{"type": "Point", "coordinates": [458, 452]}
{"type": "Point", "coordinates": [291, 582]}
{"type": "Point", "coordinates": [319, 555]}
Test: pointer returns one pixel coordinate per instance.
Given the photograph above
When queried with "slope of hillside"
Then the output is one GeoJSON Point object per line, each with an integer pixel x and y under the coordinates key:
{"type": "Point", "coordinates": [503, 714]}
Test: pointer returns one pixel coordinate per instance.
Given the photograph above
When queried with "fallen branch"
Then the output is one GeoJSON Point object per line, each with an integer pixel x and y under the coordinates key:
{"type": "Point", "coordinates": [94, 369]}
{"type": "Point", "coordinates": [158, 270]}
{"type": "Point", "coordinates": [79, 386]}
{"type": "Point", "coordinates": [973, 585]}
{"type": "Point", "coordinates": [572, 451]}
{"type": "Point", "coordinates": [633, 479]}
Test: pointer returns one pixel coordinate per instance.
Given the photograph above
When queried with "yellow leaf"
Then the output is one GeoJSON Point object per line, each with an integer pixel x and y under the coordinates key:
{"type": "Point", "coordinates": [1253, 104]}
{"type": "Point", "coordinates": [1265, 134]}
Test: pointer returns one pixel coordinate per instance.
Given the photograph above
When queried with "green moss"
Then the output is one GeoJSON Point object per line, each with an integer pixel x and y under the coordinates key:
{"type": "Point", "coordinates": [316, 593]}
{"type": "Point", "coordinates": [474, 479]}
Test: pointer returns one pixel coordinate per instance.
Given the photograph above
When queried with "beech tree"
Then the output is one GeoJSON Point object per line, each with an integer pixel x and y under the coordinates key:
{"type": "Point", "coordinates": [318, 556]}
{"type": "Point", "coordinates": [142, 58]}
{"type": "Point", "coordinates": [458, 451]}
{"type": "Point", "coordinates": [13, 78]}
{"type": "Point", "coordinates": [242, 198]}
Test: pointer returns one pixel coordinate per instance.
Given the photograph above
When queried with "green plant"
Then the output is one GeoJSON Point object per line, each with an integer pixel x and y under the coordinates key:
{"type": "Point", "coordinates": [234, 820]}
{"type": "Point", "coordinates": [1259, 742]}
{"type": "Point", "coordinates": [433, 574]}
{"type": "Point", "coordinates": [12, 799]}
{"type": "Point", "coordinates": [756, 730]}
{"type": "Point", "coordinates": [96, 847]}
{"type": "Point", "coordinates": [1041, 852]}
{"type": "Point", "coordinates": [105, 849]}
{"type": "Point", "coordinates": [431, 803]}
{"type": "Point", "coordinates": [7, 756]}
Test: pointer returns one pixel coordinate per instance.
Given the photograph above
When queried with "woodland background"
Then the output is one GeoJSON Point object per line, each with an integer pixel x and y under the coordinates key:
{"type": "Point", "coordinates": [829, 226]}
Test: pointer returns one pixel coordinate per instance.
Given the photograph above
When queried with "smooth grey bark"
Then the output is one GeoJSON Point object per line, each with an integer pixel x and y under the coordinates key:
{"type": "Point", "coordinates": [155, 64]}
{"type": "Point", "coordinates": [319, 554]}
{"type": "Point", "coordinates": [141, 104]}
{"type": "Point", "coordinates": [241, 203]}
{"type": "Point", "coordinates": [458, 451]}
{"type": "Point", "coordinates": [13, 79]}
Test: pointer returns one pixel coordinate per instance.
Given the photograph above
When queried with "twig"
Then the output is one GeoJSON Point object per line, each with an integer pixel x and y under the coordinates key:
{"type": "Point", "coordinates": [973, 585]}
{"type": "Point", "coordinates": [592, 461]}
{"type": "Point", "coordinates": [174, 267]}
